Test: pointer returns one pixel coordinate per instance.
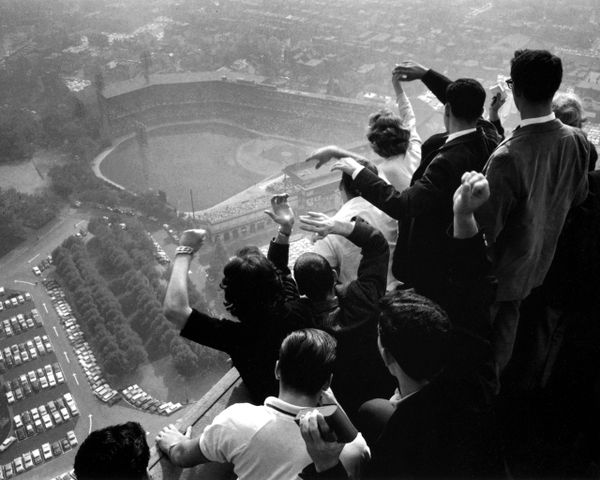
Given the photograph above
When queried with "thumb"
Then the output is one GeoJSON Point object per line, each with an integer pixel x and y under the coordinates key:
{"type": "Point", "coordinates": [270, 214]}
{"type": "Point", "coordinates": [188, 432]}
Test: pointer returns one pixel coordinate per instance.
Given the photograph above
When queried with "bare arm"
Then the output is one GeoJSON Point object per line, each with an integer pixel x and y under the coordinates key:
{"type": "Point", "coordinates": [182, 450]}
{"type": "Point", "coordinates": [176, 305]}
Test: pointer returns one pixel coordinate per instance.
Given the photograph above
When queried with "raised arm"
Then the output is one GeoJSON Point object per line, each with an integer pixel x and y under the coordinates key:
{"type": "Point", "coordinates": [434, 81]}
{"type": "Point", "coordinates": [282, 214]}
{"type": "Point", "coordinates": [176, 305]}
{"type": "Point", "coordinates": [331, 152]}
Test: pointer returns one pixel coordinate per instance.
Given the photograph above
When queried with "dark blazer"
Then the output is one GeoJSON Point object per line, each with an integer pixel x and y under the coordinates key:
{"type": "Point", "coordinates": [447, 429]}
{"type": "Point", "coordinates": [424, 210]}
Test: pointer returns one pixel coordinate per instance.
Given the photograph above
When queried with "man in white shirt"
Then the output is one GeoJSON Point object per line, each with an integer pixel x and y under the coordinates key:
{"type": "Point", "coordinates": [341, 253]}
{"type": "Point", "coordinates": [264, 442]}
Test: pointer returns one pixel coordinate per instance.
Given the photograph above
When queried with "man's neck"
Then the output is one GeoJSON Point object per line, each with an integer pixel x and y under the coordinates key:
{"type": "Point", "coordinates": [408, 385]}
{"type": "Point", "coordinates": [454, 126]}
{"type": "Point", "coordinates": [535, 110]}
{"type": "Point", "coordinates": [298, 399]}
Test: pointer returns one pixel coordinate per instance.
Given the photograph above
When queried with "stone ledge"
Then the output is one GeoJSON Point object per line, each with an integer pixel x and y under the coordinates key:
{"type": "Point", "coordinates": [225, 392]}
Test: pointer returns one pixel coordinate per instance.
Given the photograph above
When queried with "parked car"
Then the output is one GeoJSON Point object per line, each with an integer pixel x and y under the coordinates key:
{"type": "Point", "coordinates": [72, 438]}
{"type": "Point", "coordinates": [7, 443]}
{"type": "Point", "coordinates": [37, 456]}
{"type": "Point", "coordinates": [56, 449]}
{"type": "Point", "coordinates": [47, 451]}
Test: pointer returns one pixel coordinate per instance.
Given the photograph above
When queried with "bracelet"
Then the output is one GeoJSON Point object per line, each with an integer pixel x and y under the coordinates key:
{"type": "Point", "coordinates": [183, 250]}
{"type": "Point", "coordinates": [283, 233]}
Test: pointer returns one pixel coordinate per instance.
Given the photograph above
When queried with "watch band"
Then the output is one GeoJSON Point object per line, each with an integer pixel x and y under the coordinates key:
{"type": "Point", "coordinates": [183, 250]}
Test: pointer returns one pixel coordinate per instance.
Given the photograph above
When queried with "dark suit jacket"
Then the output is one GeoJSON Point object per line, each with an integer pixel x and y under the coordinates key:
{"type": "Point", "coordinates": [448, 428]}
{"type": "Point", "coordinates": [424, 210]}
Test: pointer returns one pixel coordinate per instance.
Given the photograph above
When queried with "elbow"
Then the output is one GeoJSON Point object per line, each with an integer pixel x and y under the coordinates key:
{"type": "Point", "coordinates": [175, 313]}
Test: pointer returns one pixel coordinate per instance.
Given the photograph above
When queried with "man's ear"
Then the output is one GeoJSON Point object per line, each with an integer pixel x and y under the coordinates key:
{"type": "Point", "coordinates": [447, 110]}
{"type": "Point", "coordinates": [336, 276]}
{"type": "Point", "coordinates": [277, 370]}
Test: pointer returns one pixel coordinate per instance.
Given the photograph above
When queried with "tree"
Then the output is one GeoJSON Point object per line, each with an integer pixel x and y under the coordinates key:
{"type": "Point", "coordinates": [146, 62]}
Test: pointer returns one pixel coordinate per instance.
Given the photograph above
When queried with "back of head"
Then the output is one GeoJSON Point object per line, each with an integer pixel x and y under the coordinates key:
{"type": "Point", "coordinates": [536, 75]}
{"type": "Point", "coordinates": [118, 452]}
{"type": "Point", "coordinates": [414, 330]}
{"type": "Point", "coordinates": [251, 284]}
{"type": "Point", "coordinates": [306, 360]}
{"type": "Point", "coordinates": [466, 97]}
{"type": "Point", "coordinates": [346, 181]}
{"type": "Point", "coordinates": [568, 109]}
{"type": "Point", "coordinates": [314, 276]}
{"type": "Point", "coordinates": [387, 135]}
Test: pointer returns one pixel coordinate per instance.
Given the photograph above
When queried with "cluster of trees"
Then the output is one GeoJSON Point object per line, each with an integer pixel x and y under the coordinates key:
{"type": "Point", "coordinates": [126, 257]}
{"type": "Point", "coordinates": [119, 347]}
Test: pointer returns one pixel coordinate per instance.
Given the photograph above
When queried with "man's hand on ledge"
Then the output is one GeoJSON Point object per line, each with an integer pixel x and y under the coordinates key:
{"type": "Point", "coordinates": [193, 238]}
{"type": "Point", "coordinates": [282, 214]}
{"type": "Point", "coordinates": [169, 437]}
{"type": "Point", "coordinates": [408, 71]}
{"type": "Point", "coordinates": [323, 225]}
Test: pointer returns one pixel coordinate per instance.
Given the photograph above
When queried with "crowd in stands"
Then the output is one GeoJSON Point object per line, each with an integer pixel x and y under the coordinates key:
{"type": "Point", "coordinates": [479, 360]}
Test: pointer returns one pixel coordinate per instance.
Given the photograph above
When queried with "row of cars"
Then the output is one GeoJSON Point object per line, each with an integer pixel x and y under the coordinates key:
{"type": "Point", "coordinates": [14, 301]}
{"type": "Point", "coordinates": [43, 265]}
{"type": "Point", "coordinates": [172, 233]}
{"type": "Point", "coordinates": [45, 417]}
{"type": "Point", "coordinates": [20, 323]}
{"type": "Point", "coordinates": [142, 400]}
{"type": "Point", "coordinates": [32, 382]}
{"type": "Point", "coordinates": [81, 348]}
{"type": "Point", "coordinates": [37, 456]}
{"type": "Point", "coordinates": [19, 353]}
{"type": "Point", "coordinates": [159, 253]}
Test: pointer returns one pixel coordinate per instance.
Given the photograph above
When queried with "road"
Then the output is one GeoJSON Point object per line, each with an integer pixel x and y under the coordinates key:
{"type": "Point", "coordinates": [15, 266]}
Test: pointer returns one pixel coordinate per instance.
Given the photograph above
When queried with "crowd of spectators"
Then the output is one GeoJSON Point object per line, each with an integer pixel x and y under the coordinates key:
{"type": "Point", "coordinates": [479, 361]}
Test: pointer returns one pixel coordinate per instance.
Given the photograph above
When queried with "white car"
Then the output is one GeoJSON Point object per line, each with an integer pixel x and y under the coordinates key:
{"type": "Point", "coordinates": [37, 456]}
{"type": "Point", "coordinates": [72, 438]}
{"type": "Point", "coordinates": [7, 443]}
{"type": "Point", "coordinates": [65, 414]}
{"type": "Point", "coordinates": [35, 414]}
{"type": "Point", "coordinates": [47, 451]}
{"type": "Point", "coordinates": [51, 380]}
{"type": "Point", "coordinates": [60, 378]}
{"type": "Point", "coordinates": [47, 422]}
{"type": "Point", "coordinates": [36, 271]}
{"type": "Point", "coordinates": [44, 383]}
{"type": "Point", "coordinates": [10, 398]}
{"type": "Point", "coordinates": [18, 421]}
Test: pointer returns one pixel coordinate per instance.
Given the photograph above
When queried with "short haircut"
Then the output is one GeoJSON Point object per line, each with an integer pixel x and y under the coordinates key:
{"type": "Point", "coordinates": [536, 74]}
{"type": "Point", "coordinates": [251, 285]}
{"type": "Point", "coordinates": [568, 109]}
{"type": "Point", "coordinates": [466, 97]}
{"type": "Point", "coordinates": [415, 331]}
{"type": "Point", "coordinates": [314, 276]}
{"type": "Point", "coordinates": [346, 181]}
{"type": "Point", "coordinates": [306, 360]}
{"type": "Point", "coordinates": [117, 452]}
{"type": "Point", "coordinates": [386, 134]}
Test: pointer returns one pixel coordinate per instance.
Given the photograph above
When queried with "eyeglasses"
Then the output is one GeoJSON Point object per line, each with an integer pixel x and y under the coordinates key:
{"type": "Point", "coordinates": [509, 83]}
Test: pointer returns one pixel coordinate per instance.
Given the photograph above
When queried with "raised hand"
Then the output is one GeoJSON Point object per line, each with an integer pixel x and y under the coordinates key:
{"type": "Point", "coordinates": [324, 154]}
{"type": "Point", "coordinates": [409, 71]}
{"type": "Point", "coordinates": [346, 165]}
{"type": "Point", "coordinates": [495, 104]}
{"type": "Point", "coordinates": [473, 192]}
{"type": "Point", "coordinates": [325, 455]}
{"type": "Point", "coordinates": [193, 238]}
{"type": "Point", "coordinates": [322, 225]}
{"type": "Point", "coordinates": [282, 214]}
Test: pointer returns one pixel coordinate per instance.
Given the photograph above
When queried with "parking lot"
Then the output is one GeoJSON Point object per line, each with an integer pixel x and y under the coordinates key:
{"type": "Point", "coordinates": [34, 384]}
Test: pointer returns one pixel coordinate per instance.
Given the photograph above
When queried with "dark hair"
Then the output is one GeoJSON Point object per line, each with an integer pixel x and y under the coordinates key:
{"type": "Point", "coordinates": [314, 276]}
{"type": "Point", "coordinates": [306, 359]}
{"type": "Point", "coordinates": [466, 97]}
{"type": "Point", "coordinates": [346, 181]}
{"type": "Point", "coordinates": [387, 135]}
{"type": "Point", "coordinates": [117, 452]}
{"type": "Point", "coordinates": [414, 330]}
{"type": "Point", "coordinates": [536, 74]}
{"type": "Point", "coordinates": [251, 284]}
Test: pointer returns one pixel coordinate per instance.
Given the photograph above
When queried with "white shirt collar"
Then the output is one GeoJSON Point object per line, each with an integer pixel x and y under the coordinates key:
{"type": "Point", "coordinates": [532, 121]}
{"type": "Point", "coordinates": [283, 407]}
{"type": "Point", "coordinates": [454, 135]}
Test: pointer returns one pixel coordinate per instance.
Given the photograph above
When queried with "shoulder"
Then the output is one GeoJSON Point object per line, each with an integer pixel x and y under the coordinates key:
{"type": "Point", "coordinates": [243, 418]}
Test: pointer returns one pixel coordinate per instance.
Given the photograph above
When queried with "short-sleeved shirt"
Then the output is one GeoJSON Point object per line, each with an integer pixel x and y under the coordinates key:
{"type": "Point", "coordinates": [264, 442]}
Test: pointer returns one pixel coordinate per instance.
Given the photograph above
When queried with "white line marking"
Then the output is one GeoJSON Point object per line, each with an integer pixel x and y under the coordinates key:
{"type": "Point", "coordinates": [79, 223]}
{"type": "Point", "coordinates": [90, 417]}
{"type": "Point", "coordinates": [76, 381]}
{"type": "Point", "coordinates": [67, 357]}
{"type": "Point", "coordinates": [55, 331]}
{"type": "Point", "coordinates": [33, 258]}
{"type": "Point", "coordinates": [45, 307]}
{"type": "Point", "coordinates": [23, 281]}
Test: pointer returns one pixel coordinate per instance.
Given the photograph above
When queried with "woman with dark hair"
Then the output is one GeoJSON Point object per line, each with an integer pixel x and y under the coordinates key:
{"type": "Point", "coordinates": [255, 293]}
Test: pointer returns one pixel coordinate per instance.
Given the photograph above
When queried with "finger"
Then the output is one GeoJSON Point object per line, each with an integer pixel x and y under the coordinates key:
{"type": "Point", "coordinates": [315, 214]}
{"type": "Point", "coordinates": [270, 214]}
{"type": "Point", "coordinates": [309, 228]}
{"type": "Point", "coordinates": [188, 432]}
{"type": "Point", "coordinates": [312, 222]}
{"type": "Point", "coordinates": [313, 426]}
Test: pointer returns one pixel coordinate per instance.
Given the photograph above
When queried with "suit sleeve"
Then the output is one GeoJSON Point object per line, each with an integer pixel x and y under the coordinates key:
{"type": "Point", "coordinates": [503, 178]}
{"type": "Point", "coordinates": [279, 255]}
{"type": "Point", "coordinates": [437, 83]}
{"type": "Point", "coordinates": [363, 294]}
{"type": "Point", "coordinates": [419, 199]}
{"type": "Point", "coordinates": [221, 334]}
